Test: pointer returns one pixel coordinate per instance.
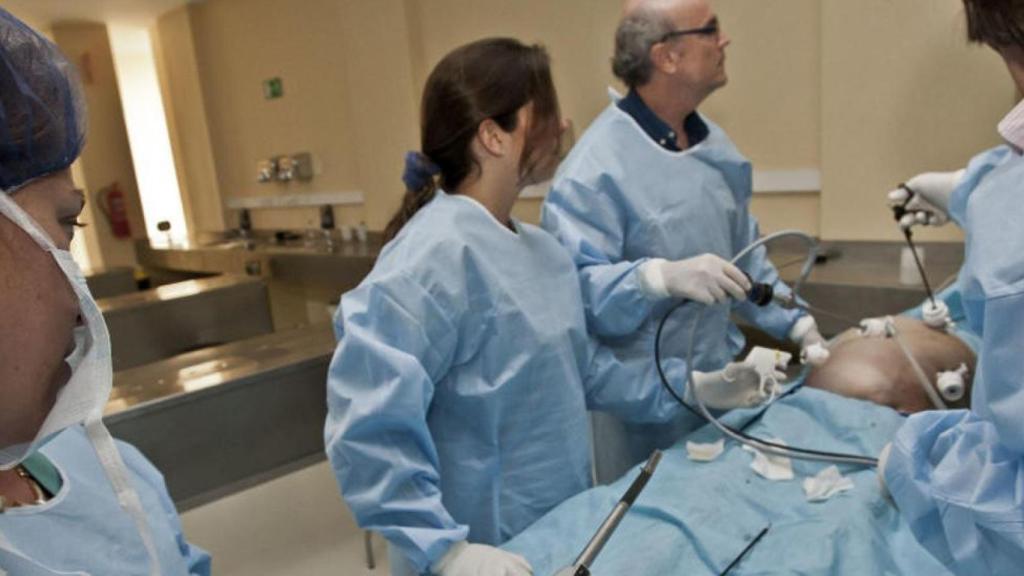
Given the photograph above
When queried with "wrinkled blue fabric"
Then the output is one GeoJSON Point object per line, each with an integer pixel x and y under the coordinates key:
{"type": "Point", "coordinates": [83, 529]}
{"type": "Point", "coordinates": [695, 518]}
{"type": "Point", "coordinates": [958, 477]}
{"type": "Point", "coordinates": [459, 390]}
{"type": "Point", "coordinates": [620, 199]}
{"type": "Point", "coordinates": [977, 169]}
{"type": "Point", "coordinates": [42, 108]}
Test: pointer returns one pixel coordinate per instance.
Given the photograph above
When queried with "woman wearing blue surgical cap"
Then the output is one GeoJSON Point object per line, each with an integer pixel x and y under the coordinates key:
{"type": "Point", "coordinates": [72, 500]}
{"type": "Point", "coordinates": [958, 476]}
{"type": "Point", "coordinates": [459, 389]}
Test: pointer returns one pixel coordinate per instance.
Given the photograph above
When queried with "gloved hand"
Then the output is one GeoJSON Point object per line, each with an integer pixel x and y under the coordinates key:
{"type": "Point", "coordinates": [813, 349]}
{"type": "Point", "coordinates": [883, 459]}
{"type": "Point", "coordinates": [706, 279]}
{"type": "Point", "coordinates": [464, 559]}
{"type": "Point", "coordinates": [929, 202]}
{"type": "Point", "coordinates": [738, 385]}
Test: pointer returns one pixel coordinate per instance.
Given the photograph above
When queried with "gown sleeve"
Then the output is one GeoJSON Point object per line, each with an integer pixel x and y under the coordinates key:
{"type": "Point", "coordinates": [589, 224]}
{"type": "Point", "coordinates": [395, 342]}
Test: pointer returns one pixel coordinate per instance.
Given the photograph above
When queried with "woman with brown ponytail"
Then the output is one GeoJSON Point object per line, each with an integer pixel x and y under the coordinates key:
{"type": "Point", "coordinates": [459, 390]}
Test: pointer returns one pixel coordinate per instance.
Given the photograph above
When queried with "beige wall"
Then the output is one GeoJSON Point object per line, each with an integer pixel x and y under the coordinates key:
{"type": "Point", "coordinates": [381, 100]}
{"type": "Point", "coordinates": [107, 157]}
{"type": "Point", "coordinates": [771, 105]}
{"type": "Point", "coordinates": [869, 92]}
{"type": "Point", "coordinates": [187, 122]}
{"type": "Point", "coordinates": [35, 23]}
{"type": "Point", "coordinates": [347, 97]}
{"type": "Point", "coordinates": [577, 33]}
{"type": "Point", "coordinates": [352, 81]}
{"type": "Point", "coordinates": [902, 93]}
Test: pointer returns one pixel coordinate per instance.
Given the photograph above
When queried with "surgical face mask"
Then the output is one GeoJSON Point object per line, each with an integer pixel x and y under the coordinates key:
{"type": "Point", "coordinates": [88, 388]}
{"type": "Point", "coordinates": [82, 399]}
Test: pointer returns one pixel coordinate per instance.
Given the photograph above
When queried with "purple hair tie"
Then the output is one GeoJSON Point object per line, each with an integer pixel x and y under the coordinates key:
{"type": "Point", "coordinates": [419, 171]}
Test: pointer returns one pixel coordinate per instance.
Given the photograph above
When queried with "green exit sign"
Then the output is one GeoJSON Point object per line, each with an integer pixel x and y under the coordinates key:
{"type": "Point", "coordinates": [273, 88]}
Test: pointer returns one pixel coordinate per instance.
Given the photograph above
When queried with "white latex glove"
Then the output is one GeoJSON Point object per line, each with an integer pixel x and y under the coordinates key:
{"type": "Point", "coordinates": [464, 559]}
{"type": "Point", "coordinates": [706, 279]}
{"type": "Point", "coordinates": [929, 204]}
{"type": "Point", "coordinates": [738, 385]}
{"type": "Point", "coordinates": [883, 459]}
{"type": "Point", "coordinates": [813, 349]}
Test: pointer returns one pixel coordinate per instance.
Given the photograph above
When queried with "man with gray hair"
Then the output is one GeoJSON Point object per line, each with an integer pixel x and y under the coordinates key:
{"type": "Point", "coordinates": [653, 202]}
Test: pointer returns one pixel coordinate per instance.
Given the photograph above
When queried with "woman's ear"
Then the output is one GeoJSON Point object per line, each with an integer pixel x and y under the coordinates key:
{"type": "Point", "coordinates": [493, 140]}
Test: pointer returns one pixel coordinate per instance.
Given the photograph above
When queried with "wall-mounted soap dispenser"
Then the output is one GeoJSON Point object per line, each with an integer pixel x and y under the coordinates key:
{"type": "Point", "coordinates": [266, 170]}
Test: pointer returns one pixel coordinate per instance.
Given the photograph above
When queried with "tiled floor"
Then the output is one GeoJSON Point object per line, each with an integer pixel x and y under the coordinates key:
{"type": "Point", "coordinates": [295, 525]}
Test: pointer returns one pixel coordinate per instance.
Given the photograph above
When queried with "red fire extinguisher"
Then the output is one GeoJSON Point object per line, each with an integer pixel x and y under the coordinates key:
{"type": "Point", "coordinates": [115, 207]}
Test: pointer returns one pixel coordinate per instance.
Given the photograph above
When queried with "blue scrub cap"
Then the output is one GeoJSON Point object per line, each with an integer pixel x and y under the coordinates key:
{"type": "Point", "coordinates": [42, 108]}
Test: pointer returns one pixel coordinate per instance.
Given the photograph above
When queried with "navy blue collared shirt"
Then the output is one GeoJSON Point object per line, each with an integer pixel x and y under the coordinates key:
{"type": "Point", "coordinates": [657, 129]}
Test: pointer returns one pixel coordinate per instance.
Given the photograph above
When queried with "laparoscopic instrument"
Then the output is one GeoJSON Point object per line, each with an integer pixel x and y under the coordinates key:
{"type": "Point", "coordinates": [581, 567]}
{"type": "Point", "coordinates": [899, 211]}
{"type": "Point", "coordinates": [761, 294]}
{"type": "Point", "coordinates": [935, 313]}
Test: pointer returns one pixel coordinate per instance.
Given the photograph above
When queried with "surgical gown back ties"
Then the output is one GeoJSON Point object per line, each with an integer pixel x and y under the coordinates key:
{"type": "Point", "coordinates": [459, 390]}
{"type": "Point", "coordinates": [83, 530]}
{"type": "Point", "coordinates": [958, 476]}
{"type": "Point", "coordinates": [620, 199]}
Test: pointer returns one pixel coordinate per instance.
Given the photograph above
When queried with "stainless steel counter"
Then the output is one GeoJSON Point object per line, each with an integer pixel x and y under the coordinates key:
{"type": "Point", "coordinates": [155, 324]}
{"type": "Point", "coordinates": [220, 419]}
{"type": "Point", "coordinates": [301, 274]}
{"type": "Point", "coordinates": [861, 279]}
{"type": "Point", "coordinates": [254, 257]}
{"type": "Point", "coordinates": [110, 282]}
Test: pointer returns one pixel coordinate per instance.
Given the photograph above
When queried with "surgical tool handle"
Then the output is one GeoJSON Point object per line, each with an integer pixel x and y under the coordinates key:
{"type": "Point", "coordinates": [899, 212]}
{"type": "Point", "coordinates": [920, 267]}
{"type": "Point", "coordinates": [589, 554]}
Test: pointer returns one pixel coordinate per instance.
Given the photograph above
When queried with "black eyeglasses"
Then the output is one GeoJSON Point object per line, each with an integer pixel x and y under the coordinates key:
{"type": "Point", "coordinates": [711, 29]}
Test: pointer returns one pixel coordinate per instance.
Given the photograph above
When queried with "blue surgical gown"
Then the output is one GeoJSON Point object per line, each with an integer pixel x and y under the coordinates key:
{"type": "Point", "coordinates": [958, 476]}
{"type": "Point", "coordinates": [459, 390]}
{"type": "Point", "coordinates": [83, 530]}
{"type": "Point", "coordinates": [620, 199]}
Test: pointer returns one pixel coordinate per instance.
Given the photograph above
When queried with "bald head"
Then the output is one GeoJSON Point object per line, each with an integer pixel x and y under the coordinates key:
{"type": "Point", "coordinates": [643, 24]}
{"type": "Point", "coordinates": [633, 7]}
{"type": "Point", "coordinates": [675, 44]}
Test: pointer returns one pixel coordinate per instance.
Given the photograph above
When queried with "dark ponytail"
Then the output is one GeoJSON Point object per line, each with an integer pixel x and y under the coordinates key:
{"type": "Point", "coordinates": [491, 78]}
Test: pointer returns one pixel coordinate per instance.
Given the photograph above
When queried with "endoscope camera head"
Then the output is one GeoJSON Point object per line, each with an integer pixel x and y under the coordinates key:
{"type": "Point", "coordinates": [760, 294]}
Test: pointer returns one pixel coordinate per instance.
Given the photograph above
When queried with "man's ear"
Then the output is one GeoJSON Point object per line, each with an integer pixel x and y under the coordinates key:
{"type": "Point", "coordinates": [663, 58]}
